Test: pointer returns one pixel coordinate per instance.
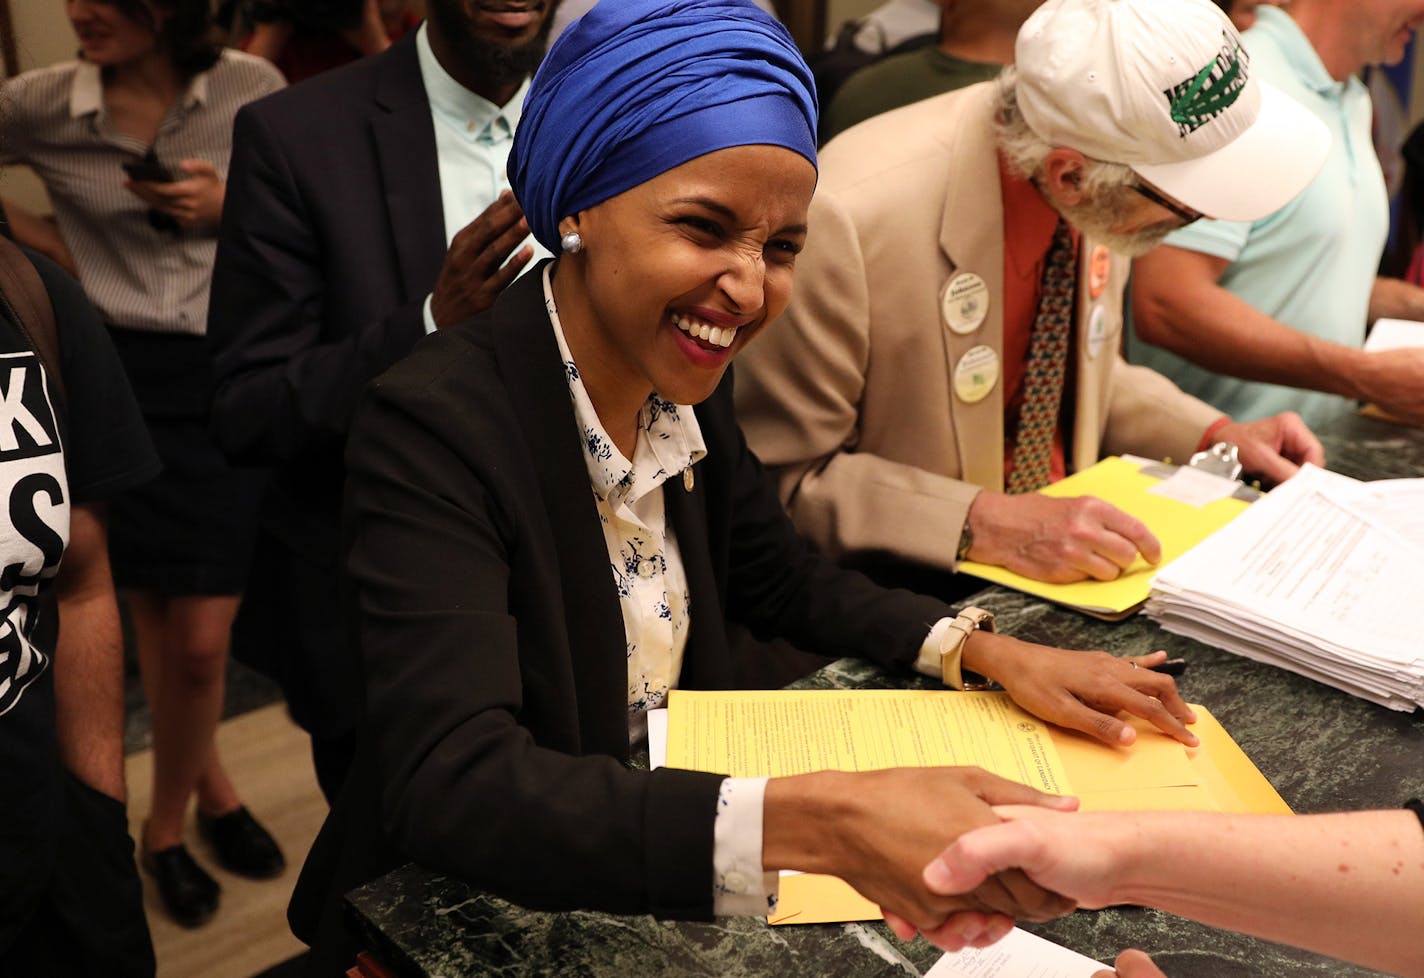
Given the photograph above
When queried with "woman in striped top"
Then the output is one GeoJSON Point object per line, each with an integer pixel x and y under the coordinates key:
{"type": "Point", "coordinates": [132, 142]}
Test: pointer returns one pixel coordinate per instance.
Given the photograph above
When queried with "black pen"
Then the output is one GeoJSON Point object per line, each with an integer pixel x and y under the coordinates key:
{"type": "Point", "coordinates": [1171, 667]}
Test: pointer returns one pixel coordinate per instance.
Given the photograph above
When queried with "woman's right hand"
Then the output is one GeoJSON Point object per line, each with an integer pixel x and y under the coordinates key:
{"type": "Point", "coordinates": [877, 829]}
{"type": "Point", "coordinates": [194, 200]}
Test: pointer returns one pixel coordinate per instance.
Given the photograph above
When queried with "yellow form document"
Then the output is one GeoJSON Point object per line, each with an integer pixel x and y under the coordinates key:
{"type": "Point", "coordinates": [784, 732]}
{"type": "Point", "coordinates": [787, 732]}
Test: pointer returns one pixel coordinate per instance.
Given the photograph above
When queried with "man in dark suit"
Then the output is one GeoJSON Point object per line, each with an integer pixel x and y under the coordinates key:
{"type": "Point", "coordinates": [344, 241]}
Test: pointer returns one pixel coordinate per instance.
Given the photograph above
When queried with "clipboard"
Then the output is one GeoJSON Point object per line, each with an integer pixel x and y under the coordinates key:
{"type": "Point", "coordinates": [1128, 483]}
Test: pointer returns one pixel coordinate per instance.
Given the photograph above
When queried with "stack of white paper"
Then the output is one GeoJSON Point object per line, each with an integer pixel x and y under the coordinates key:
{"type": "Point", "coordinates": [1323, 576]}
{"type": "Point", "coordinates": [1395, 334]}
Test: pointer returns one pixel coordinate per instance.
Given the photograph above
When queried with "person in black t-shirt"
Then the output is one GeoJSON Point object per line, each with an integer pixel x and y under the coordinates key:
{"type": "Point", "coordinates": [70, 898]}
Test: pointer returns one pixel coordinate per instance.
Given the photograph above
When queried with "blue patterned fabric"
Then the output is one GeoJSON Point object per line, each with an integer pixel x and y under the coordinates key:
{"type": "Point", "coordinates": [637, 87]}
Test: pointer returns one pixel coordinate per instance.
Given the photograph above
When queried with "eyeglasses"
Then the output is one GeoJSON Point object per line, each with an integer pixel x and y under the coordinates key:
{"type": "Point", "coordinates": [1181, 213]}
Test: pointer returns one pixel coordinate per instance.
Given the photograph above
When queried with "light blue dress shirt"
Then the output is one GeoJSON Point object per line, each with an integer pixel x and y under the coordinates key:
{"type": "Point", "coordinates": [472, 141]}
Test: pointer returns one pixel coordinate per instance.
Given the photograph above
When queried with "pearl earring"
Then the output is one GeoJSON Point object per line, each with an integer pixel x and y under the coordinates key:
{"type": "Point", "coordinates": [571, 243]}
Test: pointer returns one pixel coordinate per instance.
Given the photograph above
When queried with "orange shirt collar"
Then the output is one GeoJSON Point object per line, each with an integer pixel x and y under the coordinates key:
{"type": "Point", "coordinates": [1029, 223]}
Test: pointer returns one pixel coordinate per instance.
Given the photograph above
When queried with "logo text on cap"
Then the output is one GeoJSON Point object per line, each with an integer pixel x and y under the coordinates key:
{"type": "Point", "coordinates": [1211, 91]}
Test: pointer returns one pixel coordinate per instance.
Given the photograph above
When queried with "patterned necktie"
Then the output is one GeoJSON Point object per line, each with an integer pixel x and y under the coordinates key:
{"type": "Point", "coordinates": [1045, 366]}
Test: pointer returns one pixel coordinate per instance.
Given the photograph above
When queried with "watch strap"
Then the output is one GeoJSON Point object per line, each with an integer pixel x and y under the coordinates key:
{"type": "Point", "coordinates": [951, 658]}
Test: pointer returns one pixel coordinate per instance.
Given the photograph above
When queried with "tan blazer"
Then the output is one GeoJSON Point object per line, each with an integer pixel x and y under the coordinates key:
{"type": "Point", "coordinates": [850, 399]}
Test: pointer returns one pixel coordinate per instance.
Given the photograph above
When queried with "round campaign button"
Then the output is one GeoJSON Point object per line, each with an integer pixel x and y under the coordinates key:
{"type": "Point", "coordinates": [1097, 331]}
{"type": "Point", "coordinates": [1099, 267]}
{"type": "Point", "coordinates": [976, 373]}
{"type": "Point", "coordinates": [966, 302]}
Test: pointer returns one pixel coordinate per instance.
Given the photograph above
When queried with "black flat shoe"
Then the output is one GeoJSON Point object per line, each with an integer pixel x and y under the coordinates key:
{"type": "Point", "coordinates": [189, 894]}
{"type": "Point", "coordinates": [241, 844]}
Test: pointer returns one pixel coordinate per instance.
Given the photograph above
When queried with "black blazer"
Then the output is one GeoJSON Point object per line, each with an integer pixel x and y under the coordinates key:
{"type": "Point", "coordinates": [489, 623]}
{"type": "Point", "coordinates": [332, 236]}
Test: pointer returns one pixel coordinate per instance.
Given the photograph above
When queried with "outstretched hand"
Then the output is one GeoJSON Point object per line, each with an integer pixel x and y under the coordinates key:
{"type": "Point", "coordinates": [1078, 856]}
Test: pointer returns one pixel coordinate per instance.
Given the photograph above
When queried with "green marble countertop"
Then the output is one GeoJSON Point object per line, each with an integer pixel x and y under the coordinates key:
{"type": "Point", "coordinates": [1364, 448]}
{"type": "Point", "coordinates": [1322, 749]}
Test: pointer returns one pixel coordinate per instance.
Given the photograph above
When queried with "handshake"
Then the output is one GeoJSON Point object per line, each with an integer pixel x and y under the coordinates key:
{"type": "Point", "coordinates": [1348, 885]}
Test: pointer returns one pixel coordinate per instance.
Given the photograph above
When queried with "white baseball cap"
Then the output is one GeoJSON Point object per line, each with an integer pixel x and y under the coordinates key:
{"type": "Point", "coordinates": [1165, 87]}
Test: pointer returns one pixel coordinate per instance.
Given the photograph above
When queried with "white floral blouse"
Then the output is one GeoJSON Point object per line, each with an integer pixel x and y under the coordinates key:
{"type": "Point", "coordinates": [652, 592]}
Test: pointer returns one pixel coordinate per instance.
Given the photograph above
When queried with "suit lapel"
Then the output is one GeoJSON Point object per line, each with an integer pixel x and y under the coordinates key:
{"type": "Point", "coordinates": [404, 137]}
{"type": "Point", "coordinates": [528, 358]}
{"type": "Point", "coordinates": [972, 238]}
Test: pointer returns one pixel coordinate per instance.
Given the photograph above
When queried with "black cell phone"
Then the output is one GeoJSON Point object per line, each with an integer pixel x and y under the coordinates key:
{"type": "Point", "coordinates": [148, 170]}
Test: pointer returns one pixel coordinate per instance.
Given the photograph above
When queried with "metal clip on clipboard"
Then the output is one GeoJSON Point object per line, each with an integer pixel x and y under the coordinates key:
{"type": "Point", "coordinates": [1220, 459]}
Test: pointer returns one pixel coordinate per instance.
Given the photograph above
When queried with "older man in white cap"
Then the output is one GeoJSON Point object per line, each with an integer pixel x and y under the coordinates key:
{"type": "Point", "coordinates": [953, 342]}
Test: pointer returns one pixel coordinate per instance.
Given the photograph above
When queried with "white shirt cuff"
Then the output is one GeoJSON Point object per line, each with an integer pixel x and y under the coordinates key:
{"type": "Point", "coordinates": [933, 647]}
{"type": "Point", "coordinates": [430, 326]}
{"type": "Point", "coordinates": [739, 884]}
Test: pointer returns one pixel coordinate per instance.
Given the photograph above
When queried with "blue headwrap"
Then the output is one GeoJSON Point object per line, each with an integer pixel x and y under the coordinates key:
{"type": "Point", "coordinates": [636, 87]}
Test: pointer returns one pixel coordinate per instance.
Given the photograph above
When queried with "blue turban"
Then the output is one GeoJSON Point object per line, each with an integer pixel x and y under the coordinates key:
{"type": "Point", "coordinates": [636, 87]}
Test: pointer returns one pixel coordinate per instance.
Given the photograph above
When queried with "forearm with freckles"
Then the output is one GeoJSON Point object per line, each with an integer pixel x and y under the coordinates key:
{"type": "Point", "coordinates": [1178, 304]}
{"type": "Point", "coordinates": [1349, 885]}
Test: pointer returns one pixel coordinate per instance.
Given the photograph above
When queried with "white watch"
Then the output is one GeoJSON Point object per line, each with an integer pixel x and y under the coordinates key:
{"type": "Point", "coordinates": [951, 653]}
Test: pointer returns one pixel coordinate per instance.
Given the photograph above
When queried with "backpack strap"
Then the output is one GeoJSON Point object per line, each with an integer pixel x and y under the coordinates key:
{"type": "Point", "coordinates": [24, 298]}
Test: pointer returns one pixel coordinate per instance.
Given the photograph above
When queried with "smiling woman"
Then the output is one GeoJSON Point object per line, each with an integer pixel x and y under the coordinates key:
{"type": "Point", "coordinates": [677, 274]}
{"type": "Point", "coordinates": [552, 516]}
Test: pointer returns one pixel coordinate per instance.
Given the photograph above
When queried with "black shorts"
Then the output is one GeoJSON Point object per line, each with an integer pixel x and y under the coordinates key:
{"type": "Point", "coordinates": [89, 919]}
{"type": "Point", "coordinates": [189, 531]}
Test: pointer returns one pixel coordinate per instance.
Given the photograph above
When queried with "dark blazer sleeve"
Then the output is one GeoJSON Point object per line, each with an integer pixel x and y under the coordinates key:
{"type": "Point", "coordinates": [472, 712]}
{"type": "Point", "coordinates": [283, 376]}
{"type": "Point", "coordinates": [780, 586]}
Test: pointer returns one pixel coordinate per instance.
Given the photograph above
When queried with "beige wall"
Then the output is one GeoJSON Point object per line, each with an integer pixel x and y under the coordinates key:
{"type": "Point", "coordinates": [42, 32]}
{"type": "Point", "coordinates": [42, 37]}
{"type": "Point", "coordinates": [840, 11]}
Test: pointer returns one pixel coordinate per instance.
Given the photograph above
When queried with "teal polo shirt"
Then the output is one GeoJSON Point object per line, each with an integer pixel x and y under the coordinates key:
{"type": "Point", "coordinates": [1312, 264]}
